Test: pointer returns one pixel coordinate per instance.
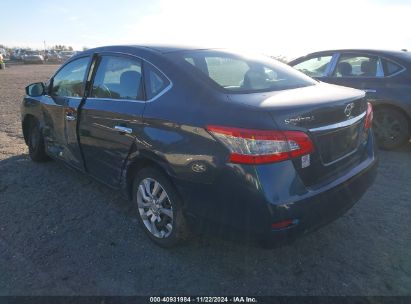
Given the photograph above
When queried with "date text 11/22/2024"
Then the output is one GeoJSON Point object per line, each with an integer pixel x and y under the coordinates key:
{"type": "Point", "coordinates": [239, 299]}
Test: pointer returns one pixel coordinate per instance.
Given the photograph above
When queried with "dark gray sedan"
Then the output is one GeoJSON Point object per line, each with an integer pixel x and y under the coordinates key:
{"type": "Point", "coordinates": [384, 75]}
{"type": "Point", "coordinates": [203, 139]}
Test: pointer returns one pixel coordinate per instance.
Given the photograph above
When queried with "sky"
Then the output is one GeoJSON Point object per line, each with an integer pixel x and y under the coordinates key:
{"type": "Point", "coordinates": [289, 28]}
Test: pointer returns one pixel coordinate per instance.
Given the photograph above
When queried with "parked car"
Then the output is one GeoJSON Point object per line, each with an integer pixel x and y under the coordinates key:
{"type": "Point", "coordinates": [206, 139]}
{"type": "Point", "coordinates": [384, 75]}
{"type": "Point", "coordinates": [65, 55]}
{"type": "Point", "coordinates": [13, 55]}
{"type": "Point", "coordinates": [18, 54]}
{"type": "Point", "coordinates": [33, 57]}
{"type": "Point", "coordinates": [52, 56]}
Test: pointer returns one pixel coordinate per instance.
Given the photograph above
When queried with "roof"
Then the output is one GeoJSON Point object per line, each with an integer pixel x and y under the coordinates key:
{"type": "Point", "coordinates": [392, 53]}
{"type": "Point", "coordinates": [158, 48]}
{"type": "Point", "coordinates": [170, 48]}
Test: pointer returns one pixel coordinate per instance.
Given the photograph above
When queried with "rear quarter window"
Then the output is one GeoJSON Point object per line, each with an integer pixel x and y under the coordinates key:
{"type": "Point", "coordinates": [390, 67]}
{"type": "Point", "coordinates": [155, 81]}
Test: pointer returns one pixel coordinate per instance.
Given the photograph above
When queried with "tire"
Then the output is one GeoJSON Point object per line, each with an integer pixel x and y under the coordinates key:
{"type": "Point", "coordinates": [160, 217]}
{"type": "Point", "coordinates": [35, 143]}
{"type": "Point", "coordinates": [391, 128]}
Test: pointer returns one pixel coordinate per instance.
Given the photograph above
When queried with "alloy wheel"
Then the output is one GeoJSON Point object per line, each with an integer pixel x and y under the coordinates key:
{"type": "Point", "coordinates": [387, 127]}
{"type": "Point", "coordinates": [155, 208]}
{"type": "Point", "coordinates": [390, 128]}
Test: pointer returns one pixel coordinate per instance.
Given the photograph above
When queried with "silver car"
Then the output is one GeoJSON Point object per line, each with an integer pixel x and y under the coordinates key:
{"type": "Point", "coordinates": [33, 57]}
{"type": "Point", "coordinates": [65, 55]}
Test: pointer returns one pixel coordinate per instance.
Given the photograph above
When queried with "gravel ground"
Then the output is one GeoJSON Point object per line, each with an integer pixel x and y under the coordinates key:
{"type": "Point", "coordinates": [62, 233]}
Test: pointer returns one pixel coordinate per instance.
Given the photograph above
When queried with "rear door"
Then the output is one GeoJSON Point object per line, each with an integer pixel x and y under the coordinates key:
{"type": "Point", "coordinates": [66, 93]}
{"type": "Point", "coordinates": [111, 117]}
{"type": "Point", "coordinates": [360, 71]}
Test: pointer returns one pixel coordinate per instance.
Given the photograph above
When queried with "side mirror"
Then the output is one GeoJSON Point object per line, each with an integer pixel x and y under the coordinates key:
{"type": "Point", "coordinates": [36, 89]}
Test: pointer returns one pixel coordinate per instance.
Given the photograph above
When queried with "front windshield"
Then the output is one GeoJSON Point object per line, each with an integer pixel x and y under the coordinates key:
{"type": "Point", "coordinates": [240, 73]}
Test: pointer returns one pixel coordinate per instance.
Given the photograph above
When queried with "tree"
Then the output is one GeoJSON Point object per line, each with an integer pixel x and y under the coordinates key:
{"type": "Point", "coordinates": [280, 58]}
{"type": "Point", "coordinates": [62, 47]}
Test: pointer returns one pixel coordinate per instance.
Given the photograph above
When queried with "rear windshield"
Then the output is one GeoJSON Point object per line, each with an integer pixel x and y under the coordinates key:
{"type": "Point", "coordinates": [239, 73]}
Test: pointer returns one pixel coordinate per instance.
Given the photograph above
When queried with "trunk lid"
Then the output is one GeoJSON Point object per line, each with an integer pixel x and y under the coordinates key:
{"type": "Point", "coordinates": [333, 117]}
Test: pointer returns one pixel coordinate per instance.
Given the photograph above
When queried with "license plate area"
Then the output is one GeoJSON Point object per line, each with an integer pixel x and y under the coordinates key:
{"type": "Point", "coordinates": [338, 143]}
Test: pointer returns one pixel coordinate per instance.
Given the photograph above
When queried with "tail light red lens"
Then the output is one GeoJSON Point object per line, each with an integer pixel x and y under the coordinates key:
{"type": "Point", "coordinates": [249, 146]}
{"type": "Point", "coordinates": [284, 224]}
{"type": "Point", "coordinates": [368, 117]}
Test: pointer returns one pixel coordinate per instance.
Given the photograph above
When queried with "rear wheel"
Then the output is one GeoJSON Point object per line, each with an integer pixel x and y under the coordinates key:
{"type": "Point", "coordinates": [35, 142]}
{"type": "Point", "coordinates": [159, 208]}
{"type": "Point", "coordinates": [391, 128]}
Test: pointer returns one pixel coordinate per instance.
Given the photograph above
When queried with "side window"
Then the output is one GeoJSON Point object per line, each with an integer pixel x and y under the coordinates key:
{"type": "Point", "coordinates": [155, 81]}
{"type": "Point", "coordinates": [357, 66]}
{"type": "Point", "coordinates": [68, 82]}
{"type": "Point", "coordinates": [118, 78]}
{"type": "Point", "coordinates": [390, 67]}
{"type": "Point", "coordinates": [314, 67]}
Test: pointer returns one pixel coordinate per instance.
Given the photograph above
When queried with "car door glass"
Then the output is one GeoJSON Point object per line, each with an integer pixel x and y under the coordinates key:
{"type": "Point", "coordinates": [155, 81]}
{"type": "Point", "coordinates": [69, 81]}
{"type": "Point", "coordinates": [118, 78]}
{"type": "Point", "coordinates": [357, 66]}
{"type": "Point", "coordinates": [314, 67]}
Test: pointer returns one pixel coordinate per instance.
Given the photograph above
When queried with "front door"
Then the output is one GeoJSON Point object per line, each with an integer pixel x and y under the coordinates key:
{"type": "Point", "coordinates": [316, 66]}
{"type": "Point", "coordinates": [66, 94]}
{"type": "Point", "coordinates": [111, 117]}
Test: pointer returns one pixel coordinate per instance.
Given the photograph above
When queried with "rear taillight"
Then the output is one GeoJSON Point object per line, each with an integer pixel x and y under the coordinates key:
{"type": "Point", "coordinates": [368, 117]}
{"type": "Point", "coordinates": [262, 146]}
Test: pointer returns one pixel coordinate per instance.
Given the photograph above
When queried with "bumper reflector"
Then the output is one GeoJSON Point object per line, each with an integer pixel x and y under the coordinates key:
{"type": "Point", "coordinates": [284, 224]}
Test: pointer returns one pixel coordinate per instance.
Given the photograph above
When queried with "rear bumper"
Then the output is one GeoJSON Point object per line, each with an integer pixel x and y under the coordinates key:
{"type": "Point", "coordinates": [322, 206]}
{"type": "Point", "coordinates": [244, 201]}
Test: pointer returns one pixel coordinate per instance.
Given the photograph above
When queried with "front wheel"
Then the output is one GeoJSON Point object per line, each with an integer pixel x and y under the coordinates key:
{"type": "Point", "coordinates": [36, 145]}
{"type": "Point", "coordinates": [159, 208]}
{"type": "Point", "coordinates": [391, 128]}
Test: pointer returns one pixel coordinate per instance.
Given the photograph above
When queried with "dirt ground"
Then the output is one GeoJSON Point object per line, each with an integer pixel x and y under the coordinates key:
{"type": "Point", "coordinates": [62, 233]}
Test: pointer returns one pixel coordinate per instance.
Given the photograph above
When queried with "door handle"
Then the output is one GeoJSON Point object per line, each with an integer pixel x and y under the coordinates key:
{"type": "Point", "coordinates": [123, 130]}
{"type": "Point", "coordinates": [370, 91]}
{"type": "Point", "coordinates": [70, 117]}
